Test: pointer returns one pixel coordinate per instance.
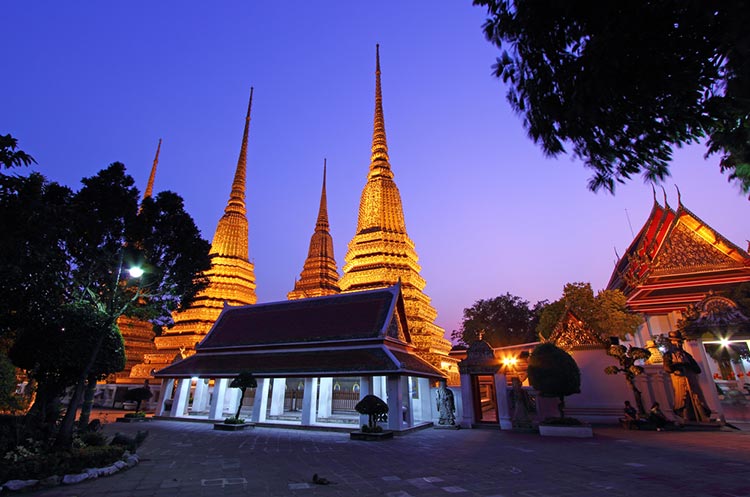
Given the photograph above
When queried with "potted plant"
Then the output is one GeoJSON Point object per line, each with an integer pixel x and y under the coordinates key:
{"type": "Point", "coordinates": [137, 395]}
{"type": "Point", "coordinates": [243, 381]}
{"type": "Point", "coordinates": [376, 410]}
{"type": "Point", "coordinates": [554, 373]}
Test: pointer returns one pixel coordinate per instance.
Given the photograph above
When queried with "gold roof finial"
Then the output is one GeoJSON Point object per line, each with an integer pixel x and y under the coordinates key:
{"type": "Point", "coordinates": [323, 210]}
{"type": "Point", "coordinates": [379, 161]}
{"type": "Point", "coordinates": [150, 186]}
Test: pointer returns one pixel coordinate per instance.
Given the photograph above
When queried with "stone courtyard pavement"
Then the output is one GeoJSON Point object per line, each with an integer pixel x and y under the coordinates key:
{"type": "Point", "coordinates": [191, 459]}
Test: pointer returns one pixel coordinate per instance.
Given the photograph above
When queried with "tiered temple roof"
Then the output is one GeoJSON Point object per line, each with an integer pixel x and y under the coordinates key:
{"type": "Point", "coordinates": [231, 278]}
{"type": "Point", "coordinates": [676, 260]}
{"type": "Point", "coordinates": [381, 252]}
{"type": "Point", "coordinates": [319, 273]}
{"type": "Point", "coordinates": [363, 333]}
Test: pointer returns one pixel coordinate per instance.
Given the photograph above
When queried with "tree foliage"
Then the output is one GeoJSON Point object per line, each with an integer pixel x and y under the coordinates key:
{"type": "Point", "coordinates": [10, 156]}
{"type": "Point", "coordinates": [505, 320]}
{"type": "Point", "coordinates": [243, 381]}
{"type": "Point", "coordinates": [64, 285]}
{"type": "Point", "coordinates": [605, 313]}
{"type": "Point", "coordinates": [553, 373]}
{"type": "Point", "coordinates": [623, 83]}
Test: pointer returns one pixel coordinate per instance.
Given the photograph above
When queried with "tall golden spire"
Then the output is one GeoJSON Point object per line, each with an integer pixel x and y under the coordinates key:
{"type": "Point", "coordinates": [231, 278]}
{"type": "Point", "coordinates": [381, 251]}
{"type": "Point", "coordinates": [319, 273]}
{"type": "Point", "coordinates": [230, 238]}
{"type": "Point", "coordinates": [150, 186]}
{"type": "Point", "coordinates": [379, 161]}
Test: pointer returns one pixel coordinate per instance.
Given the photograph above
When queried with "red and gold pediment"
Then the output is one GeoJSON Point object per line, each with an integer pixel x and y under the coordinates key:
{"type": "Point", "coordinates": [690, 248]}
{"type": "Point", "coordinates": [572, 333]}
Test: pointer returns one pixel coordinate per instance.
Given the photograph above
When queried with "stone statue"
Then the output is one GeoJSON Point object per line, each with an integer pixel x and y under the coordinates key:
{"type": "Point", "coordinates": [521, 404]}
{"type": "Point", "coordinates": [689, 402]}
{"type": "Point", "coordinates": [446, 405]}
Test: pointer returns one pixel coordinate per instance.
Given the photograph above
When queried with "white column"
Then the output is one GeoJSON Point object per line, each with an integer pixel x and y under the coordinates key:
{"type": "Point", "coordinates": [467, 401]}
{"type": "Point", "coordinates": [503, 408]}
{"type": "Point", "coordinates": [696, 349]}
{"type": "Point", "coordinates": [277, 396]}
{"type": "Point", "coordinates": [261, 400]}
{"type": "Point", "coordinates": [325, 397]}
{"type": "Point", "coordinates": [217, 401]}
{"type": "Point", "coordinates": [167, 386]}
{"type": "Point", "coordinates": [406, 404]}
{"type": "Point", "coordinates": [395, 402]}
{"type": "Point", "coordinates": [365, 388]}
{"type": "Point", "coordinates": [425, 400]}
{"type": "Point", "coordinates": [231, 398]}
{"type": "Point", "coordinates": [200, 395]}
{"type": "Point", "coordinates": [379, 389]}
{"type": "Point", "coordinates": [179, 403]}
{"type": "Point", "coordinates": [308, 402]}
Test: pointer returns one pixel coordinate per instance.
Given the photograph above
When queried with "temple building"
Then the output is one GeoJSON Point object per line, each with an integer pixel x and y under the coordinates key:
{"type": "Point", "coordinates": [381, 252]}
{"type": "Point", "coordinates": [231, 279]}
{"type": "Point", "coordinates": [683, 275]}
{"type": "Point", "coordinates": [313, 359]}
{"type": "Point", "coordinates": [319, 275]}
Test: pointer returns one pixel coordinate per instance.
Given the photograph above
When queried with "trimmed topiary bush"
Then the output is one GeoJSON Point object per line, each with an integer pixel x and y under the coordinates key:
{"type": "Point", "coordinates": [554, 373]}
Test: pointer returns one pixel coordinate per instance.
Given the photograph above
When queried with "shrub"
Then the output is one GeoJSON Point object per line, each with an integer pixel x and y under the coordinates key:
{"type": "Point", "coordinates": [375, 408]}
{"type": "Point", "coordinates": [43, 465]}
{"type": "Point", "coordinates": [94, 439]}
{"type": "Point", "coordinates": [234, 421]}
{"type": "Point", "coordinates": [554, 373]}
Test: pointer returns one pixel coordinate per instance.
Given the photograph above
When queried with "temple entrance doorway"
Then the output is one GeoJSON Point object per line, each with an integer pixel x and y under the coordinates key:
{"type": "Point", "coordinates": [485, 399]}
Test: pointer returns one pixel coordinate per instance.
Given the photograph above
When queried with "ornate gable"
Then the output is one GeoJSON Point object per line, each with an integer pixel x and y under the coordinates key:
{"type": "Point", "coordinates": [685, 249]}
{"type": "Point", "coordinates": [572, 333]}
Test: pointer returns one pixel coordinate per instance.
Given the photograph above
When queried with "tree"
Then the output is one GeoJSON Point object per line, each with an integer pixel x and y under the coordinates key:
{"type": "Point", "coordinates": [138, 395]}
{"type": "Point", "coordinates": [506, 320]}
{"type": "Point", "coordinates": [243, 381]}
{"type": "Point", "coordinates": [606, 313]}
{"type": "Point", "coordinates": [375, 409]}
{"type": "Point", "coordinates": [623, 83]}
{"type": "Point", "coordinates": [554, 373]}
{"type": "Point", "coordinates": [81, 268]}
{"type": "Point", "coordinates": [10, 157]}
{"type": "Point", "coordinates": [627, 358]}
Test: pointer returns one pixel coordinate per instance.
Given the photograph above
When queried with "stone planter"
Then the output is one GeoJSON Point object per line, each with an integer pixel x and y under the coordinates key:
{"type": "Point", "coordinates": [232, 427]}
{"type": "Point", "coordinates": [139, 419]}
{"type": "Point", "coordinates": [577, 431]}
{"type": "Point", "coordinates": [360, 435]}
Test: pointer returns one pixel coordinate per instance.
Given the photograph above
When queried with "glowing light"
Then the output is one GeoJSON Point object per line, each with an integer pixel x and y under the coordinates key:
{"type": "Point", "coordinates": [135, 272]}
{"type": "Point", "coordinates": [510, 361]}
{"type": "Point", "coordinates": [724, 342]}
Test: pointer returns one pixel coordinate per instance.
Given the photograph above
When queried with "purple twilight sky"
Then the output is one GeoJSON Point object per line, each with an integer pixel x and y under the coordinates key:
{"type": "Point", "coordinates": [89, 83]}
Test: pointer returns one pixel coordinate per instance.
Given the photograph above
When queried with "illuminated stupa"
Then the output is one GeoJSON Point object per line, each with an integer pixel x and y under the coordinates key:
{"type": "Point", "coordinates": [231, 279]}
{"type": "Point", "coordinates": [381, 252]}
{"type": "Point", "coordinates": [319, 275]}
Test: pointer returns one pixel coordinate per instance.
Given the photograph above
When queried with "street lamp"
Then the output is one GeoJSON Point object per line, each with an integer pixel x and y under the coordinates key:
{"type": "Point", "coordinates": [135, 272]}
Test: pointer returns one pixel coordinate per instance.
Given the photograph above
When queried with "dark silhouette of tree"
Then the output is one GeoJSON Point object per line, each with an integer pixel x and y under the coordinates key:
{"type": "Point", "coordinates": [506, 320]}
{"type": "Point", "coordinates": [243, 381]}
{"type": "Point", "coordinates": [623, 83]}
{"type": "Point", "coordinates": [69, 258]}
{"type": "Point", "coordinates": [10, 157]}
{"type": "Point", "coordinates": [138, 395]}
{"type": "Point", "coordinates": [554, 373]}
{"type": "Point", "coordinates": [375, 408]}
